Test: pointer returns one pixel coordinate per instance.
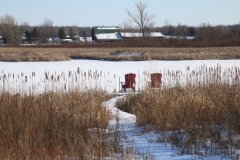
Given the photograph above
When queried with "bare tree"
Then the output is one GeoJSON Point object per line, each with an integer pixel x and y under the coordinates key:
{"type": "Point", "coordinates": [74, 32]}
{"type": "Point", "coordinates": [168, 29]}
{"type": "Point", "coordinates": [143, 20]}
{"type": "Point", "coordinates": [25, 26]}
{"type": "Point", "coordinates": [10, 29]}
{"type": "Point", "coordinates": [181, 30]}
{"type": "Point", "coordinates": [46, 30]}
{"type": "Point", "coordinates": [126, 26]}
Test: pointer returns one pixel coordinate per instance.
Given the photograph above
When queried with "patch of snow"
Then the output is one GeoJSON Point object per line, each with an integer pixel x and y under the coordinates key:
{"type": "Point", "coordinates": [67, 40]}
{"type": "Point", "coordinates": [135, 34]}
{"type": "Point", "coordinates": [179, 37]}
{"type": "Point", "coordinates": [128, 54]}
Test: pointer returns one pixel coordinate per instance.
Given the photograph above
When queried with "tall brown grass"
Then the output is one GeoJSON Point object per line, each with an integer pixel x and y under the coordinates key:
{"type": "Point", "coordinates": [111, 53]}
{"type": "Point", "coordinates": [60, 117]}
{"type": "Point", "coordinates": [53, 125]}
{"type": "Point", "coordinates": [199, 118]}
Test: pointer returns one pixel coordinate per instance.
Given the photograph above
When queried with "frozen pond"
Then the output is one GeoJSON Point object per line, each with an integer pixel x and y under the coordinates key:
{"type": "Point", "coordinates": [82, 74]}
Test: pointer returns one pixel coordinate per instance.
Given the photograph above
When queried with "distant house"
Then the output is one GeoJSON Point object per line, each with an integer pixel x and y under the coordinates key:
{"type": "Point", "coordinates": [57, 39]}
{"type": "Point", "coordinates": [67, 39]}
{"type": "Point", "coordinates": [85, 39]}
{"type": "Point", "coordinates": [135, 34]}
{"type": "Point", "coordinates": [76, 39]}
{"type": "Point", "coordinates": [106, 33]}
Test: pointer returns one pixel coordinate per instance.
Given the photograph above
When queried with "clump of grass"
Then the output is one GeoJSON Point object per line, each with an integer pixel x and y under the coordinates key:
{"type": "Point", "coordinates": [200, 118]}
{"type": "Point", "coordinates": [54, 125]}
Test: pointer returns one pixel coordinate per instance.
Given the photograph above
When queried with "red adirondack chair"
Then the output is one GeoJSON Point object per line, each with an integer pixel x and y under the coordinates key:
{"type": "Point", "coordinates": [156, 80]}
{"type": "Point", "coordinates": [129, 82]}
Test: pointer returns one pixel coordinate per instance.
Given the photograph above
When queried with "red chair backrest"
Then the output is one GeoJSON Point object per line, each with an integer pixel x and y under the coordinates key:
{"type": "Point", "coordinates": [130, 80]}
{"type": "Point", "coordinates": [156, 80]}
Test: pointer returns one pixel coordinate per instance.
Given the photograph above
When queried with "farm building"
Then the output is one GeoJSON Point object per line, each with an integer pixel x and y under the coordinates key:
{"type": "Point", "coordinates": [135, 34]}
{"type": "Point", "coordinates": [85, 39]}
{"type": "Point", "coordinates": [106, 33]}
{"type": "Point", "coordinates": [110, 34]}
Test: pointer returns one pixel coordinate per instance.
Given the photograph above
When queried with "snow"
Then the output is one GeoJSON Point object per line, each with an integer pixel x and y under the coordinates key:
{"type": "Point", "coordinates": [14, 75]}
{"type": "Point", "coordinates": [128, 34]}
{"type": "Point", "coordinates": [109, 73]}
{"type": "Point", "coordinates": [179, 37]}
{"type": "Point", "coordinates": [130, 54]}
{"type": "Point", "coordinates": [67, 40]}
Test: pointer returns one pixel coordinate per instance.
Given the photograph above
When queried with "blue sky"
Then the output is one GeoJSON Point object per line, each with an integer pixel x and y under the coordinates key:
{"type": "Point", "coordinates": [113, 12]}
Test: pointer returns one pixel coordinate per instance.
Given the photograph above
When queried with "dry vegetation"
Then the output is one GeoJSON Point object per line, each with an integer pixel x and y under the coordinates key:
{"type": "Point", "coordinates": [53, 125]}
{"type": "Point", "coordinates": [52, 122]}
{"type": "Point", "coordinates": [200, 118]}
{"type": "Point", "coordinates": [11, 54]}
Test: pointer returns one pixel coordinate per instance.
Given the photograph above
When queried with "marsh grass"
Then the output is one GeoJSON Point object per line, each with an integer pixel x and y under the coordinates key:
{"type": "Point", "coordinates": [61, 118]}
{"type": "Point", "coordinates": [53, 125]}
{"type": "Point", "coordinates": [16, 54]}
{"type": "Point", "coordinates": [199, 118]}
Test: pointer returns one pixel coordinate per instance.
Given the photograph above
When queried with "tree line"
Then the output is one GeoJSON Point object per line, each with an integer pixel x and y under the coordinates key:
{"type": "Point", "coordinates": [205, 34]}
{"type": "Point", "coordinates": [12, 32]}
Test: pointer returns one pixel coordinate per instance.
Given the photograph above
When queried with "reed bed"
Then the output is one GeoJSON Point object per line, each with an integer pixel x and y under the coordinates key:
{"type": "Point", "coordinates": [60, 117]}
{"type": "Point", "coordinates": [199, 117]}
{"type": "Point", "coordinates": [54, 125]}
{"type": "Point", "coordinates": [10, 54]}
{"type": "Point", "coordinates": [73, 80]}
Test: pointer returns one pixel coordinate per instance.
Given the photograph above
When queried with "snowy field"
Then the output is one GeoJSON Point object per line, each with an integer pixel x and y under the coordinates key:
{"type": "Point", "coordinates": [41, 76]}
{"type": "Point", "coordinates": [80, 74]}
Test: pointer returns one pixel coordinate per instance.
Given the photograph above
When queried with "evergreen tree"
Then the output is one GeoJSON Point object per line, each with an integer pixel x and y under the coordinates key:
{"type": "Point", "coordinates": [85, 36]}
{"type": "Point", "coordinates": [72, 34]}
{"type": "Point", "coordinates": [34, 33]}
{"type": "Point", "coordinates": [61, 33]}
{"type": "Point", "coordinates": [28, 34]}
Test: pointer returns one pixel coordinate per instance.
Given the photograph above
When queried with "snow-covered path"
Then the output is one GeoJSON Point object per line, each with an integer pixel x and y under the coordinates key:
{"type": "Point", "coordinates": [142, 140]}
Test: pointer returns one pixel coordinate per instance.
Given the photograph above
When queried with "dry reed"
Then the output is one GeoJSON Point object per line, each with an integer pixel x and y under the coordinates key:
{"type": "Point", "coordinates": [53, 125]}
{"type": "Point", "coordinates": [62, 119]}
{"type": "Point", "coordinates": [147, 53]}
{"type": "Point", "coordinates": [200, 117]}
